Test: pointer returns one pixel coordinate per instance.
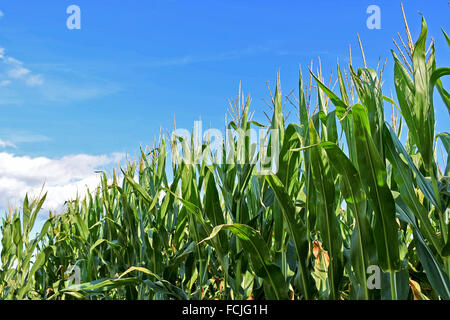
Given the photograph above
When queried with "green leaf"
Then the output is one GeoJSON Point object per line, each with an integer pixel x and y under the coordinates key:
{"type": "Point", "coordinates": [446, 37]}
{"type": "Point", "coordinates": [423, 111]}
{"type": "Point", "coordinates": [438, 279]}
{"type": "Point", "coordinates": [424, 184]}
{"type": "Point", "coordinates": [254, 244]}
{"type": "Point", "coordinates": [328, 223]}
{"type": "Point", "coordinates": [141, 191]}
{"type": "Point", "coordinates": [404, 179]}
{"type": "Point", "coordinates": [363, 249]}
{"type": "Point", "coordinates": [445, 138]}
{"type": "Point", "coordinates": [341, 106]}
{"type": "Point", "coordinates": [368, 87]}
{"type": "Point", "coordinates": [297, 232]}
{"type": "Point", "coordinates": [278, 119]}
{"type": "Point", "coordinates": [373, 176]}
{"type": "Point", "coordinates": [103, 284]}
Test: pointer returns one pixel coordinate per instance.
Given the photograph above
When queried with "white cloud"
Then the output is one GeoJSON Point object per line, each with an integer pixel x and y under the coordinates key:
{"type": "Point", "coordinates": [4, 83]}
{"type": "Point", "coordinates": [1, 14]}
{"type": "Point", "coordinates": [61, 91]}
{"type": "Point", "coordinates": [63, 178]}
{"type": "Point", "coordinates": [16, 71]}
{"type": "Point", "coordinates": [4, 144]}
{"type": "Point", "coordinates": [35, 80]}
{"type": "Point", "coordinates": [58, 85]}
{"type": "Point", "coordinates": [189, 59]}
{"type": "Point", "coordinates": [17, 136]}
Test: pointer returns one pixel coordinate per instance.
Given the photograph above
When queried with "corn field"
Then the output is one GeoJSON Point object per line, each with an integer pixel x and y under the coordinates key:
{"type": "Point", "coordinates": [349, 198]}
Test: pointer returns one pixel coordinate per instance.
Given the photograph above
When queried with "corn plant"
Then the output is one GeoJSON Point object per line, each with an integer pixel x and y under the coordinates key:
{"type": "Point", "coordinates": [348, 197]}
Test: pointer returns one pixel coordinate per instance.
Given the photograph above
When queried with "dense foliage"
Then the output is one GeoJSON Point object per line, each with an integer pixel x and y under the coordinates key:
{"type": "Point", "coordinates": [348, 197]}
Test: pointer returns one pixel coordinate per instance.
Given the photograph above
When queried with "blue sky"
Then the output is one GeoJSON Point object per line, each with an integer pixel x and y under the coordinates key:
{"type": "Point", "coordinates": [111, 86]}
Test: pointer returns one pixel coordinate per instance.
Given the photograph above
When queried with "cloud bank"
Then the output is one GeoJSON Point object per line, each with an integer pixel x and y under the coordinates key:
{"type": "Point", "coordinates": [63, 177]}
